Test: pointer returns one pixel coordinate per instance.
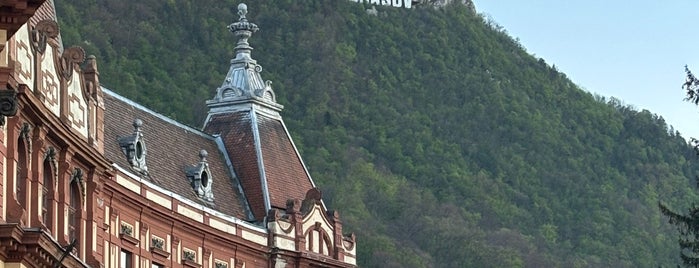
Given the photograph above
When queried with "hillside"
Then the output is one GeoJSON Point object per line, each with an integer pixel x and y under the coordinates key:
{"type": "Point", "coordinates": [440, 140]}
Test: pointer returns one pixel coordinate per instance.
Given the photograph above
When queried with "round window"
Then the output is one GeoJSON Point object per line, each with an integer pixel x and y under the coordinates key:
{"type": "Point", "coordinates": [139, 150]}
{"type": "Point", "coordinates": [204, 179]}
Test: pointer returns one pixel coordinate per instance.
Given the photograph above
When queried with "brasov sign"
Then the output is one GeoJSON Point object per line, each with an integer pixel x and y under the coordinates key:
{"type": "Point", "coordinates": [393, 3]}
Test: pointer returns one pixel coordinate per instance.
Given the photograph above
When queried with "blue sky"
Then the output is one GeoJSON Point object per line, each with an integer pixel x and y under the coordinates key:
{"type": "Point", "coordinates": [632, 50]}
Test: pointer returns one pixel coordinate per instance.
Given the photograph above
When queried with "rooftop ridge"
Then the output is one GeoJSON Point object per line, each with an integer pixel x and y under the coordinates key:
{"type": "Point", "coordinates": [158, 115]}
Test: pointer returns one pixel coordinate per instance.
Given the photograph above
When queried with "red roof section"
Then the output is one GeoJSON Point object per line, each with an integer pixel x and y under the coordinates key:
{"type": "Point", "coordinates": [238, 137]}
{"type": "Point", "coordinates": [170, 147]}
{"type": "Point", "coordinates": [46, 11]}
{"type": "Point", "coordinates": [286, 177]}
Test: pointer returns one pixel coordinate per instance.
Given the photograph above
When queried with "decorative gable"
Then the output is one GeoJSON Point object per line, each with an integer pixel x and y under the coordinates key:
{"type": "Point", "coordinates": [200, 179]}
{"type": "Point", "coordinates": [306, 226]}
{"type": "Point", "coordinates": [35, 58]}
{"type": "Point", "coordinates": [134, 148]}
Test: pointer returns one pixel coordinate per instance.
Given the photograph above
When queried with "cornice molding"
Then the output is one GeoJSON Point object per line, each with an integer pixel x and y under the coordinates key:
{"type": "Point", "coordinates": [16, 13]}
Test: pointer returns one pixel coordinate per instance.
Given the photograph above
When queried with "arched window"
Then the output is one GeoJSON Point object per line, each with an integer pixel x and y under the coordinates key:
{"type": "Point", "coordinates": [47, 195]}
{"type": "Point", "coordinates": [75, 210]}
{"type": "Point", "coordinates": [22, 171]}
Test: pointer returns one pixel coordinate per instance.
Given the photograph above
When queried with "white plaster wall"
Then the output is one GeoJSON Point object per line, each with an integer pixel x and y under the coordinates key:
{"type": "Point", "coordinates": [184, 211]}
{"type": "Point", "coordinates": [51, 82]}
{"type": "Point", "coordinates": [25, 57]}
{"type": "Point", "coordinates": [78, 105]}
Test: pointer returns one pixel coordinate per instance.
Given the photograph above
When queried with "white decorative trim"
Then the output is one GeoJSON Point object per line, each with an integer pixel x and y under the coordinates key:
{"type": "Point", "coordinates": [222, 226]}
{"type": "Point", "coordinates": [188, 202]}
{"type": "Point", "coordinates": [189, 213]}
{"type": "Point", "coordinates": [152, 196]}
{"type": "Point", "coordinates": [259, 239]}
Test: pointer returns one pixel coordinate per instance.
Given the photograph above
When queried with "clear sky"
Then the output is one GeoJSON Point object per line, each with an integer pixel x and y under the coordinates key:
{"type": "Point", "coordinates": [632, 50]}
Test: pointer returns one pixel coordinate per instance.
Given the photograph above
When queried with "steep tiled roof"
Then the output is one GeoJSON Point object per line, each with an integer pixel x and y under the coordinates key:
{"type": "Point", "coordinates": [170, 148]}
{"type": "Point", "coordinates": [46, 11]}
{"type": "Point", "coordinates": [286, 175]}
{"type": "Point", "coordinates": [283, 175]}
{"type": "Point", "coordinates": [237, 134]}
{"type": "Point", "coordinates": [245, 113]}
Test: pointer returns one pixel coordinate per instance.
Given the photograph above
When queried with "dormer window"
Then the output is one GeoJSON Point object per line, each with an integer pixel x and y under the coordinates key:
{"type": "Point", "coordinates": [134, 148]}
{"type": "Point", "coordinates": [200, 179]}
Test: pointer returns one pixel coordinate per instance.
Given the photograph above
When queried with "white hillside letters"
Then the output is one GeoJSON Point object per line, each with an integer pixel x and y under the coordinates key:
{"type": "Point", "coordinates": [393, 3]}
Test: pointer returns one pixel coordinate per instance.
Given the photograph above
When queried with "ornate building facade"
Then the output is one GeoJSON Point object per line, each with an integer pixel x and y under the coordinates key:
{"type": "Point", "coordinates": [92, 179]}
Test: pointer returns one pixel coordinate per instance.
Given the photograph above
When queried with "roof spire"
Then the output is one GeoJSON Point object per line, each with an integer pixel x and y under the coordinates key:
{"type": "Point", "coordinates": [243, 85]}
{"type": "Point", "coordinates": [242, 29]}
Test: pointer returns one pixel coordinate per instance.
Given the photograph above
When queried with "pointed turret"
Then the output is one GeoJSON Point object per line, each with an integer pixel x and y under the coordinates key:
{"type": "Point", "coordinates": [245, 114]}
{"type": "Point", "coordinates": [243, 84]}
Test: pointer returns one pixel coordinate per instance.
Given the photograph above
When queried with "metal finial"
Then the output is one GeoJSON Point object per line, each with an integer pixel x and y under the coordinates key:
{"type": "Point", "coordinates": [243, 29]}
{"type": "Point", "coordinates": [137, 124]}
{"type": "Point", "coordinates": [242, 11]}
{"type": "Point", "coordinates": [202, 155]}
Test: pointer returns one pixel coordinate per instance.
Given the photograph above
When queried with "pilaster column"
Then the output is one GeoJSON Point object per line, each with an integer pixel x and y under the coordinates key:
{"type": "Point", "coordinates": [65, 168]}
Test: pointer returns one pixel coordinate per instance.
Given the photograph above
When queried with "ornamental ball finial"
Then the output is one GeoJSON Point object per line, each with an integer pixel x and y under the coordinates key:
{"type": "Point", "coordinates": [137, 124]}
{"type": "Point", "coordinates": [242, 10]}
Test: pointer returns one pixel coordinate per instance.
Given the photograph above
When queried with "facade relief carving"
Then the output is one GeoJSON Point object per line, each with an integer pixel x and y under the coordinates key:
{"type": "Point", "coordinates": [50, 157]}
{"type": "Point", "coordinates": [24, 135]}
{"type": "Point", "coordinates": [78, 177]}
{"type": "Point", "coordinates": [69, 61]}
{"type": "Point", "coordinates": [41, 33]}
{"type": "Point", "coordinates": [8, 104]}
{"type": "Point", "coordinates": [21, 60]}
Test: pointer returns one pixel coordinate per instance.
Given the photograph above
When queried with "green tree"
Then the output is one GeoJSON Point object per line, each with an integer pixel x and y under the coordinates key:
{"type": "Point", "coordinates": [687, 224]}
{"type": "Point", "coordinates": [441, 141]}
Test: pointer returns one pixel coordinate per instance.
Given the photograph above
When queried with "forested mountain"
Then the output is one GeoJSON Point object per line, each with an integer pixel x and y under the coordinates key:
{"type": "Point", "coordinates": [440, 140]}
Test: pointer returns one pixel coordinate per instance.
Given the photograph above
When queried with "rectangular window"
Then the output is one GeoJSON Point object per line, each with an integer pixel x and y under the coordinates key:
{"type": "Point", "coordinates": [126, 259]}
{"type": "Point", "coordinates": [156, 265]}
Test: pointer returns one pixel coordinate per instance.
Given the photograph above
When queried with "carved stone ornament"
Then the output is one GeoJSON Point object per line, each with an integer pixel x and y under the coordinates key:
{"type": "Point", "coordinates": [126, 233]}
{"type": "Point", "coordinates": [50, 157]}
{"type": "Point", "coordinates": [134, 147]}
{"type": "Point", "coordinates": [77, 176]}
{"type": "Point", "coordinates": [24, 134]}
{"type": "Point", "coordinates": [8, 104]}
{"type": "Point", "coordinates": [243, 29]}
{"type": "Point", "coordinates": [200, 179]}
{"type": "Point", "coordinates": [126, 230]}
{"type": "Point", "coordinates": [70, 57]}
{"type": "Point", "coordinates": [157, 247]}
{"type": "Point", "coordinates": [91, 75]}
{"type": "Point", "coordinates": [42, 31]}
{"type": "Point", "coordinates": [188, 255]}
{"type": "Point", "coordinates": [158, 243]}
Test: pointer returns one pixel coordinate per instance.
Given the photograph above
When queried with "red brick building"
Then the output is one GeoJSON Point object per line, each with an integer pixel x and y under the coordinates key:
{"type": "Point", "coordinates": [92, 179]}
